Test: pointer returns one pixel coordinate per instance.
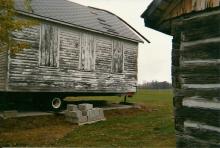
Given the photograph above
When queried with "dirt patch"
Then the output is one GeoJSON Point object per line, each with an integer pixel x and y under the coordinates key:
{"type": "Point", "coordinates": [127, 112]}
{"type": "Point", "coordinates": [35, 137]}
{"type": "Point", "coordinates": [33, 131]}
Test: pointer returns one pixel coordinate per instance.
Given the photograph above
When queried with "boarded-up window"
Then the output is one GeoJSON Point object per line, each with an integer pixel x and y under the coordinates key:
{"type": "Point", "coordinates": [117, 59]}
{"type": "Point", "coordinates": [103, 56]}
{"type": "Point", "coordinates": [49, 46]}
{"type": "Point", "coordinates": [87, 53]}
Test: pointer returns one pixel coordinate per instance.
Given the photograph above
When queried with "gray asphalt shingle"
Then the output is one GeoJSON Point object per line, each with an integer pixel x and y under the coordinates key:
{"type": "Point", "coordinates": [79, 15]}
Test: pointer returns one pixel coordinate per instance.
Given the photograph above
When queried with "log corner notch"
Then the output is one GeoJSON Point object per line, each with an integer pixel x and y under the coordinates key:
{"type": "Point", "coordinates": [195, 27]}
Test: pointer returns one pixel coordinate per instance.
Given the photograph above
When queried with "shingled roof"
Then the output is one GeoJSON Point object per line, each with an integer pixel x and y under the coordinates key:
{"type": "Point", "coordinates": [79, 16]}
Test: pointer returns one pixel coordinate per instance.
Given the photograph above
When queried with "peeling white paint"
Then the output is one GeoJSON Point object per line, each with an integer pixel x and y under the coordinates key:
{"type": "Point", "coordinates": [197, 125]}
{"type": "Point", "coordinates": [202, 86]}
{"type": "Point", "coordinates": [201, 103]}
{"type": "Point", "coordinates": [202, 62]}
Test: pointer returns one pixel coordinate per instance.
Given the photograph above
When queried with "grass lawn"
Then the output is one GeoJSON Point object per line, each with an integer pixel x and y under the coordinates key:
{"type": "Point", "coordinates": [151, 126]}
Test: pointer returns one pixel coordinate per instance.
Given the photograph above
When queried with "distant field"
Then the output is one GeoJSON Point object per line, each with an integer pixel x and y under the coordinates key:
{"type": "Point", "coordinates": [151, 126]}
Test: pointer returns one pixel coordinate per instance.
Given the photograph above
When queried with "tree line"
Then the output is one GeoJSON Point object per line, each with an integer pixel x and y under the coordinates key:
{"type": "Point", "coordinates": [155, 85]}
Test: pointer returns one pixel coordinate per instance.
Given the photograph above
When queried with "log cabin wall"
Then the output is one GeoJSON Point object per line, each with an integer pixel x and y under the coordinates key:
{"type": "Point", "coordinates": [63, 59]}
{"type": "Point", "coordinates": [3, 69]}
{"type": "Point", "coordinates": [196, 79]}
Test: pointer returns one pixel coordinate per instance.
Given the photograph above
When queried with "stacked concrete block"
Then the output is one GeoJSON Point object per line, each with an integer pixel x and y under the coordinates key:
{"type": "Point", "coordinates": [72, 107]}
{"type": "Point", "coordinates": [91, 115]}
{"type": "Point", "coordinates": [74, 115]}
{"type": "Point", "coordinates": [83, 114]}
{"type": "Point", "coordinates": [101, 114]}
{"type": "Point", "coordinates": [85, 107]}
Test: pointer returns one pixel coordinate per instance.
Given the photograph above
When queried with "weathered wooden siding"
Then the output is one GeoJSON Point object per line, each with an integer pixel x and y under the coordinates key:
{"type": "Point", "coordinates": [3, 69]}
{"type": "Point", "coordinates": [196, 79]}
{"type": "Point", "coordinates": [84, 64]}
{"type": "Point", "coordinates": [69, 54]}
{"type": "Point", "coordinates": [103, 55]}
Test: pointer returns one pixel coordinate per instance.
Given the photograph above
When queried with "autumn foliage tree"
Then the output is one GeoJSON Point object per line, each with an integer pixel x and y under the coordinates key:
{"type": "Point", "coordinates": [10, 23]}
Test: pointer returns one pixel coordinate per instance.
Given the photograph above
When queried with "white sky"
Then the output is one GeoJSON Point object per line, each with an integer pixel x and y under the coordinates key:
{"type": "Point", "coordinates": [154, 61]}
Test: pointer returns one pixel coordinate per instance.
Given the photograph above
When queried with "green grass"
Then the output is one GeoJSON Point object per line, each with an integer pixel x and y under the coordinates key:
{"type": "Point", "coordinates": [152, 126]}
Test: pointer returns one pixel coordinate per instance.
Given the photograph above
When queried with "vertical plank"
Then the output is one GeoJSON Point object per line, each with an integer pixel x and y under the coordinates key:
{"type": "Point", "coordinates": [83, 50]}
{"type": "Point", "coordinates": [49, 46]}
{"type": "Point", "coordinates": [91, 53]}
{"type": "Point", "coordinates": [117, 59]}
{"type": "Point", "coordinates": [103, 59]}
{"type": "Point", "coordinates": [42, 45]}
{"type": "Point", "coordinates": [54, 46]}
{"type": "Point", "coordinates": [87, 53]}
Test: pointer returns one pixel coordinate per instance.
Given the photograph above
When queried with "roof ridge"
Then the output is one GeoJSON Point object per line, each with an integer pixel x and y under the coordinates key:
{"type": "Point", "coordinates": [137, 32]}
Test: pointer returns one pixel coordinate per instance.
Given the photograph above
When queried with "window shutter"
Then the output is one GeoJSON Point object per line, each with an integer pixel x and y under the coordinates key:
{"type": "Point", "coordinates": [87, 53]}
{"type": "Point", "coordinates": [117, 58]}
{"type": "Point", "coordinates": [49, 46]}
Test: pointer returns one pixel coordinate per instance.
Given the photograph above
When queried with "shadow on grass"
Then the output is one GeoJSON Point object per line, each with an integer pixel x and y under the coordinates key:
{"type": "Point", "coordinates": [96, 103]}
{"type": "Point", "coordinates": [30, 106]}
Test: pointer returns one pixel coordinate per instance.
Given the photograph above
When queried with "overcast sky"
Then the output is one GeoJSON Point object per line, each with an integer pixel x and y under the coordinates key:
{"type": "Point", "coordinates": [154, 61]}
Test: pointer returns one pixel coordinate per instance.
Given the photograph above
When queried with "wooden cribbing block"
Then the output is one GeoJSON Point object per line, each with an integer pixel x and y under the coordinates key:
{"type": "Point", "coordinates": [10, 114]}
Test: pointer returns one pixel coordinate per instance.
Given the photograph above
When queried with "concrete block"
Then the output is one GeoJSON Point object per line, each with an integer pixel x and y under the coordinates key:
{"type": "Point", "coordinates": [83, 119]}
{"type": "Point", "coordinates": [85, 112]}
{"type": "Point", "coordinates": [100, 113]}
{"type": "Point", "coordinates": [10, 114]}
{"type": "Point", "coordinates": [72, 107]}
{"type": "Point", "coordinates": [93, 114]}
{"type": "Point", "coordinates": [84, 107]}
{"type": "Point", "coordinates": [96, 113]}
{"type": "Point", "coordinates": [73, 114]}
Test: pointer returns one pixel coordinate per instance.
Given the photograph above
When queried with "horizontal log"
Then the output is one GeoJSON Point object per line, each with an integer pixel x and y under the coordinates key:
{"type": "Point", "coordinates": [201, 115]}
{"type": "Point", "coordinates": [202, 67]}
{"type": "Point", "coordinates": [201, 27]}
{"type": "Point", "coordinates": [185, 141]}
{"type": "Point", "coordinates": [199, 86]}
{"type": "Point", "coordinates": [200, 79]}
{"type": "Point", "coordinates": [204, 93]}
{"type": "Point", "coordinates": [201, 51]}
{"type": "Point", "coordinates": [202, 131]}
{"type": "Point", "coordinates": [198, 102]}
